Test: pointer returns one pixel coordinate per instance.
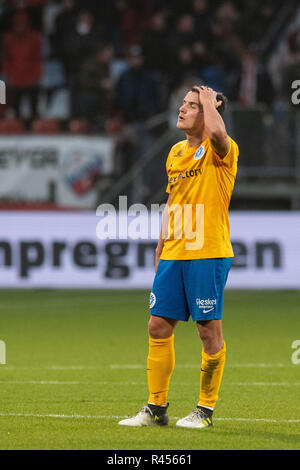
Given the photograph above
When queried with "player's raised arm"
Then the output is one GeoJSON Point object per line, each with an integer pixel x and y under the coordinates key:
{"type": "Point", "coordinates": [213, 123]}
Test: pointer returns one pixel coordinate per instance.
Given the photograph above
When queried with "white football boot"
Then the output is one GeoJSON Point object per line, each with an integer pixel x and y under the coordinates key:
{"type": "Point", "coordinates": [150, 415]}
{"type": "Point", "coordinates": [196, 419]}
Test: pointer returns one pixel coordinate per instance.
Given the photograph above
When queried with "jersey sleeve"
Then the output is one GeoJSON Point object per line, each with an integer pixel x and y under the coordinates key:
{"type": "Point", "coordinates": [231, 158]}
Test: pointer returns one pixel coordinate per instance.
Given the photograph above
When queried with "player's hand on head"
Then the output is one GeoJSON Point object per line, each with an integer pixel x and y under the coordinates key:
{"type": "Point", "coordinates": [207, 94]}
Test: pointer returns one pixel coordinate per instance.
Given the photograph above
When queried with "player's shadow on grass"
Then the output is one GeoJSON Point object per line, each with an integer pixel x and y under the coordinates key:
{"type": "Point", "coordinates": [254, 437]}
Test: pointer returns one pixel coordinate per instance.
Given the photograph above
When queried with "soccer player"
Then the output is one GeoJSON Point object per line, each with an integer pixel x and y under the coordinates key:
{"type": "Point", "coordinates": [193, 257]}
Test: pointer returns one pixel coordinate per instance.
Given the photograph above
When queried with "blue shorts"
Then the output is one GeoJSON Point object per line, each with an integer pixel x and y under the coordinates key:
{"type": "Point", "coordinates": [190, 287]}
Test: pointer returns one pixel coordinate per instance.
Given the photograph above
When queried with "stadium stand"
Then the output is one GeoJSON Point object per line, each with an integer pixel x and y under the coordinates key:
{"type": "Point", "coordinates": [69, 44]}
{"type": "Point", "coordinates": [45, 126]}
{"type": "Point", "coordinates": [78, 126]}
{"type": "Point", "coordinates": [119, 68]}
{"type": "Point", "coordinates": [11, 126]}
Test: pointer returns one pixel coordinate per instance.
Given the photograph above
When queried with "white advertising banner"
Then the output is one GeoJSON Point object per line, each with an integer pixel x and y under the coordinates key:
{"type": "Point", "coordinates": [62, 250]}
{"type": "Point", "coordinates": [32, 168]}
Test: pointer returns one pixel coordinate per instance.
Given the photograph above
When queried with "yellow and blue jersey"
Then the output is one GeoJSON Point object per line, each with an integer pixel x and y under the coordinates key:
{"type": "Point", "coordinates": [200, 184]}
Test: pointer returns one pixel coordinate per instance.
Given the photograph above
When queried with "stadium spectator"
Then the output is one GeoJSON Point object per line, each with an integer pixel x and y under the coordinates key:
{"type": "Point", "coordinates": [183, 66]}
{"type": "Point", "coordinates": [202, 56]}
{"type": "Point", "coordinates": [227, 15]}
{"type": "Point", "coordinates": [79, 40]}
{"type": "Point", "coordinates": [255, 83]}
{"type": "Point", "coordinates": [255, 19]}
{"type": "Point", "coordinates": [284, 64]}
{"type": "Point", "coordinates": [134, 21]}
{"type": "Point", "coordinates": [137, 93]}
{"type": "Point", "coordinates": [51, 10]}
{"type": "Point", "coordinates": [184, 33]}
{"type": "Point", "coordinates": [96, 86]}
{"type": "Point", "coordinates": [138, 96]}
{"type": "Point", "coordinates": [35, 11]}
{"type": "Point", "coordinates": [291, 69]}
{"type": "Point", "coordinates": [64, 23]}
{"type": "Point", "coordinates": [80, 43]}
{"type": "Point", "coordinates": [202, 17]}
{"type": "Point", "coordinates": [22, 63]}
{"type": "Point", "coordinates": [155, 43]}
{"type": "Point", "coordinates": [226, 50]}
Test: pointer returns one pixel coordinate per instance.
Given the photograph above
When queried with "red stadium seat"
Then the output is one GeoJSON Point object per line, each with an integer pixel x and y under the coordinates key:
{"type": "Point", "coordinates": [113, 125]}
{"type": "Point", "coordinates": [11, 126]}
{"type": "Point", "coordinates": [78, 126]}
{"type": "Point", "coordinates": [46, 126]}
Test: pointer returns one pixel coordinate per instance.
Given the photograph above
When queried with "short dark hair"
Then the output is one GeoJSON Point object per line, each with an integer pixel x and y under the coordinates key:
{"type": "Point", "coordinates": [220, 97]}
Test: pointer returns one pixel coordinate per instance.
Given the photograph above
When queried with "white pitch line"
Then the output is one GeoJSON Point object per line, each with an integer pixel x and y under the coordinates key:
{"type": "Point", "coordinates": [140, 366]}
{"type": "Point", "coordinates": [264, 420]}
{"type": "Point", "coordinates": [39, 382]}
{"type": "Point", "coordinates": [262, 365]}
{"type": "Point", "coordinates": [54, 367]}
{"type": "Point", "coordinates": [99, 417]}
{"type": "Point", "coordinates": [127, 366]}
{"type": "Point", "coordinates": [71, 367]}
{"type": "Point", "coordinates": [197, 366]}
{"type": "Point", "coordinates": [264, 384]}
{"type": "Point", "coordinates": [73, 382]}
{"type": "Point", "coordinates": [37, 415]}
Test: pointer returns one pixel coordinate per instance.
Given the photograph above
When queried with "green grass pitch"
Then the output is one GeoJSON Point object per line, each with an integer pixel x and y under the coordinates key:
{"type": "Point", "coordinates": [75, 365]}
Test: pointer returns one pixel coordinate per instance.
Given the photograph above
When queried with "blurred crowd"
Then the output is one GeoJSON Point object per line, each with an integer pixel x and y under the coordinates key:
{"type": "Point", "coordinates": [127, 60]}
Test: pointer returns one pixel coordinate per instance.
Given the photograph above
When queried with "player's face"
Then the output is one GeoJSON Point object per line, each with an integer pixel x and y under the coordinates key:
{"type": "Point", "coordinates": [190, 118]}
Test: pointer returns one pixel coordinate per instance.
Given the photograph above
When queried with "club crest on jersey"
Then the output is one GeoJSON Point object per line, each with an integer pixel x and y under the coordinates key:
{"type": "Point", "coordinates": [152, 300]}
{"type": "Point", "coordinates": [200, 152]}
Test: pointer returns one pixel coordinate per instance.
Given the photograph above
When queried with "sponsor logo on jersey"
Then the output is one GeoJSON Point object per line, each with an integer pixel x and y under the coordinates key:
{"type": "Point", "coordinates": [186, 174]}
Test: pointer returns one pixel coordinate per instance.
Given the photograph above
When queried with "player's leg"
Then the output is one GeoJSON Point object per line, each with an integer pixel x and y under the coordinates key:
{"type": "Point", "coordinates": [161, 358]}
{"type": "Point", "coordinates": [213, 361]}
{"type": "Point", "coordinates": [207, 307]}
{"type": "Point", "coordinates": [211, 335]}
{"type": "Point", "coordinates": [212, 367]}
{"type": "Point", "coordinates": [160, 365]}
{"type": "Point", "coordinates": [167, 306]}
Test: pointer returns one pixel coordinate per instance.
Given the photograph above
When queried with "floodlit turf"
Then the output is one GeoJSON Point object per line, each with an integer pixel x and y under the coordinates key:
{"type": "Point", "coordinates": [76, 366]}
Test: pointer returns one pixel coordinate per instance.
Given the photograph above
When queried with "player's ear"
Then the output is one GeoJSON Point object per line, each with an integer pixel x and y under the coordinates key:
{"type": "Point", "coordinates": [222, 99]}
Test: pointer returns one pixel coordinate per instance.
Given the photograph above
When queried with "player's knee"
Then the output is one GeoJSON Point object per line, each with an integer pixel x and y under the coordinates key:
{"type": "Point", "coordinates": [206, 336]}
{"type": "Point", "coordinates": [159, 327]}
{"type": "Point", "coordinates": [156, 328]}
{"type": "Point", "coordinates": [211, 338]}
